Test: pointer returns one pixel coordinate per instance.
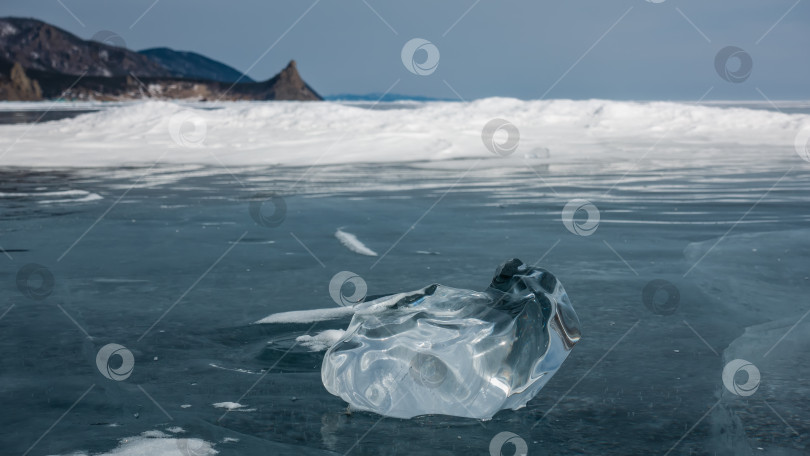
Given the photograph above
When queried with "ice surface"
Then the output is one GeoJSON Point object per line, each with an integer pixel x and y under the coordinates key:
{"type": "Point", "coordinates": [449, 351]}
{"type": "Point", "coordinates": [642, 388]}
{"type": "Point", "coordinates": [749, 263]}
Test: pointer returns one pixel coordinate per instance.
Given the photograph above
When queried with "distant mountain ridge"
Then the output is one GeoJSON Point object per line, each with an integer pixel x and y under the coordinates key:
{"type": "Point", "coordinates": [36, 45]}
{"type": "Point", "coordinates": [190, 65]}
{"type": "Point", "coordinates": [31, 85]}
{"type": "Point", "coordinates": [41, 61]}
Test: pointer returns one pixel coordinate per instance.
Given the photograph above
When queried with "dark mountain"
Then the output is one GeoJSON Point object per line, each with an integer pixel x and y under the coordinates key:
{"type": "Point", "coordinates": [36, 45]}
{"type": "Point", "coordinates": [191, 65]}
{"type": "Point", "coordinates": [19, 84]}
{"type": "Point", "coordinates": [40, 61]}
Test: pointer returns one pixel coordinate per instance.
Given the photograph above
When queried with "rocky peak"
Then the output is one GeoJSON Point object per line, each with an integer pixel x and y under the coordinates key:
{"type": "Point", "coordinates": [289, 85]}
{"type": "Point", "coordinates": [290, 75]}
{"type": "Point", "coordinates": [18, 86]}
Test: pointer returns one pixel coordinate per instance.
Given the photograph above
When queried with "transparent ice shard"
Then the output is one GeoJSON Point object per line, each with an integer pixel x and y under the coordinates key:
{"type": "Point", "coordinates": [449, 351]}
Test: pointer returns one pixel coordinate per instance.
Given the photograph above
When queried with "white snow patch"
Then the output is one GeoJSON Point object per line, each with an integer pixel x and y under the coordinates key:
{"type": "Point", "coordinates": [321, 341]}
{"type": "Point", "coordinates": [53, 193]}
{"type": "Point", "coordinates": [233, 369]}
{"type": "Point", "coordinates": [175, 430]}
{"type": "Point", "coordinates": [311, 316]}
{"type": "Point", "coordinates": [87, 198]}
{"type": "Point", "coordinates": [308, 316]}
{"type": "Point", "coordinates": [157, 446]}
{"type": "Point", "coordinates": [228, 405]}
{"type": "Point", "coordinates": [378, 305]}
{"type": "Point", "coordinates": [233, 407]}
{"type": "Point", "coordinates": [6, 29]}
{"type": "Point", "coordinates": [351, 242]}
{"type": "Point", "coordinates": [56, 197]}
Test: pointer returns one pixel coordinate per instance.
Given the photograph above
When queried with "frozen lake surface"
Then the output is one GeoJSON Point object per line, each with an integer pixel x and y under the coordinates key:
{"type": "Point", "coordinates": [170, 262]}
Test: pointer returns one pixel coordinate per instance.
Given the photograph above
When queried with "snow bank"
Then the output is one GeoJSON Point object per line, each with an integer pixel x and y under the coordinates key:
{"type": "Point", "coordinates": [301, 133]}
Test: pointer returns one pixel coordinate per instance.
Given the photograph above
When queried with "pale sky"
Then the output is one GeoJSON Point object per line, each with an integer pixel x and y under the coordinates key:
{"type": "Point", "coordinates": [617, 49]}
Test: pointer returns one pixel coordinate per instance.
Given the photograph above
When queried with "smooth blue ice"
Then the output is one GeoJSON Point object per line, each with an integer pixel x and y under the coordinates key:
{"type": "Point", "coordinates": [449, 351]}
